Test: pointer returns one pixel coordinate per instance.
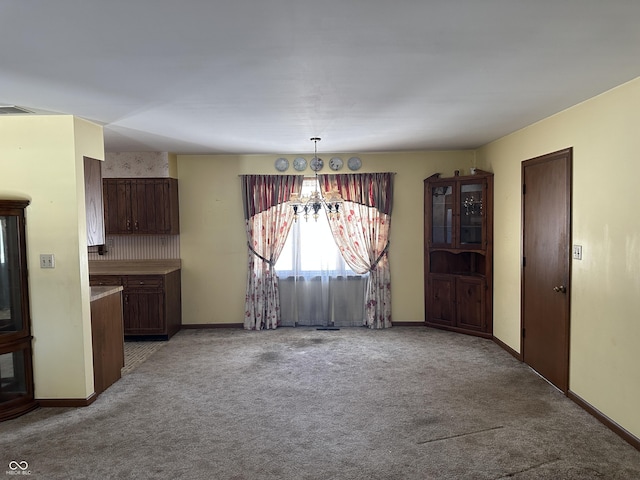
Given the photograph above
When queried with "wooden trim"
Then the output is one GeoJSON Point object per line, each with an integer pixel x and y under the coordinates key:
{"type": "Point", "coordinates": [448, 328]}
{"type": "Point", "coordinates": [627, 436]}
{"type": "Point", "coordinates": [509, 350]}
{"type": "Point", "coordinates": [67, 402]}
{"type": "Point", "coordinates": [419, 323]}
{"type": "Point", "coordinates": [190, 326]}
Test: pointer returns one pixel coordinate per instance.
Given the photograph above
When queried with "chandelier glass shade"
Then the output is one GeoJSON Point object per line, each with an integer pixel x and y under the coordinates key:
{"type": "Point", "coordinates": [311, 204]}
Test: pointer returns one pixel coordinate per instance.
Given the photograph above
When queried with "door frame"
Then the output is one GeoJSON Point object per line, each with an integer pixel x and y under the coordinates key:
{"type": "Point", "coordinates": [566, 152]}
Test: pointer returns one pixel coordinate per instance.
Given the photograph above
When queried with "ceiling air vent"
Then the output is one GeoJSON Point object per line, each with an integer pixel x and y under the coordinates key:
{"type": "Point", "coordinates": [12, 109]}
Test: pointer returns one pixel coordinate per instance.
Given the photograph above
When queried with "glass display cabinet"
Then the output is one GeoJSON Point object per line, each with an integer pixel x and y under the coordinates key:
{"type": "Point", "coordinates": [458, 255]}
{"type": "Point", "coordinates": [16, 373]}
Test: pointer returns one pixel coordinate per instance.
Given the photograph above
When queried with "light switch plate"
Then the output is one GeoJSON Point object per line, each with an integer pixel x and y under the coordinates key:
{"type": "Point", "coordinates": [47, 260]}
{"type": "Point", "coordinates": [577, 252]}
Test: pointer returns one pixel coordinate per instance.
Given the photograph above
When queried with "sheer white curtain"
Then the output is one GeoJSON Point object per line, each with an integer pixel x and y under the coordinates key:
{"type": "Point", "coordinates": [316, 286]}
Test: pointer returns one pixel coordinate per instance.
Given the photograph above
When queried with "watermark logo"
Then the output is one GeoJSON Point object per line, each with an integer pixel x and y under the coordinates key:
{"type": "Point", "coordinates": [18, 468]}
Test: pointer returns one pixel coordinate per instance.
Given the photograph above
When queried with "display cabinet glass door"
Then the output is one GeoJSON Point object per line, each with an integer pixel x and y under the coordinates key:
{"type": "Point", "coordinates": [471, 199]}
{"type": "Point", "coordinates": [16, 372]}
{"type": "Point", "coordinates": [442, 215]}
{"type": "Point", "coordinates": [13, 375]}
{"type": "Point", "coordinates": [11, 316]}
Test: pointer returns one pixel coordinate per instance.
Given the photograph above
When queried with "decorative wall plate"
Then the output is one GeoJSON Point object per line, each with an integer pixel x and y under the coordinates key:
{"type": "Point", "coordinates": [354, 163]}
{"type": "Point", "coordinates": [316, 164]}
{"type": "Point", "coordinates": [282, 164]}
{"type": "Point", "coordinates": [335, 163]}
{"type": "Point", "coordinates": [300, 164]}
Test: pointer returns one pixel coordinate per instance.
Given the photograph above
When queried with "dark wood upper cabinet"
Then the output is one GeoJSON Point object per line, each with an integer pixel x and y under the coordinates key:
{"type": "Point", "coordinates": [141, 206]}
{"type": "Point", "coordinates": [458, 255]}
{"type": "Point", "coordinates": [93, 201]}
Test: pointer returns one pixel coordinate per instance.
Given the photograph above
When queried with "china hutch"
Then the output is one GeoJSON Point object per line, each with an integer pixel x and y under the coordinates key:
{"type": "Point", "coordinates": [16, 373]}
{"type": "Point", "coordinates": [458, 256]}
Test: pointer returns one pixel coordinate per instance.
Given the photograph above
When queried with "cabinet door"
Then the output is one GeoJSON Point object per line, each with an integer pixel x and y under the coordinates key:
{"type": "Point", "coordinates": [471, 205]}
{"type": "Point", "coordinates": [442, 299]}
{"type": "Point", "coordinates": [94, 203]}
{"type": "Point", "coordinates": [442, 214]}
{"type": "Point", "coordinates": [470, 297]}
{"type": "Point", "coordinates": [143, 313]}
{"type": "Point", "coordinates": [16, 372]}
{"type": "Point", "coordinates": [144, 305]}
{"type": "Point", "coordinates": [117, 206]}
{"type": "Point", "coordinates": [14, 304]}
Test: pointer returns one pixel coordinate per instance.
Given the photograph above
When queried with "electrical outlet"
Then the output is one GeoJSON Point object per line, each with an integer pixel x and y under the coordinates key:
{"type": "Point", "coordinates": [47, 260]}
{"type": "Point", "coordinates": [577, 252]}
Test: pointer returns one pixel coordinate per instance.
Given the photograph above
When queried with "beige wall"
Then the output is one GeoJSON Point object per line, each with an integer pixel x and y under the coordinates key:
{"type": "Point", "coordinates": [605, 294]}
{"type": "Point", "coordinates": [41, 158]}
{"type": "Point", "coordinates": [213, 240]}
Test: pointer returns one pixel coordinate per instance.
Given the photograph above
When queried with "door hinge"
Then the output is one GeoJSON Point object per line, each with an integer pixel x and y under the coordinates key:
{"type": "Point", "coordinates": [524, 189]}
{"type": "Point", "coordinates": [524, 261]}
{"type": "Point", "coordinates": [523, 332]}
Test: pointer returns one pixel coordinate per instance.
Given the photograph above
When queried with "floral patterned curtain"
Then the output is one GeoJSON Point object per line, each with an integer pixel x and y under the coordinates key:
{"type": "Point", "coordinates": [362, 234]}
{"type": "Point", "coordinates": [268, 219]}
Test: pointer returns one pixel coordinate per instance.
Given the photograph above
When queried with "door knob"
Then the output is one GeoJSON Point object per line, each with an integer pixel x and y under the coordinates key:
{"type": "Point", "coordinates": [560, 289]}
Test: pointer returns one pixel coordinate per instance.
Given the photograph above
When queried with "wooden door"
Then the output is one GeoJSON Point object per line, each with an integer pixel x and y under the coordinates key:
{"type": "Point", "coordinates": [546, 243]}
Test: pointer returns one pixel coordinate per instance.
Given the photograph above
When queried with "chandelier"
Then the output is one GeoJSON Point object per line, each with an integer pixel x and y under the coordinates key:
{"type": "Point", "coordinates": [312, 204]}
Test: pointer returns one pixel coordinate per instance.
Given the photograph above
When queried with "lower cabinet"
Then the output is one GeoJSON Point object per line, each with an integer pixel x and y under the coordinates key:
{"type": "Point", "coordinates": [152, 304]}
{"type": "Point", "coordinates": [107, 340]}
{"type": "Point", "coordinates": [457, 302]}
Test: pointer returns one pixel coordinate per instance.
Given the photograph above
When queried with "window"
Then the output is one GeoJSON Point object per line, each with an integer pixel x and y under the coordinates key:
{"type": "Point", "coordinates": [310, 250]}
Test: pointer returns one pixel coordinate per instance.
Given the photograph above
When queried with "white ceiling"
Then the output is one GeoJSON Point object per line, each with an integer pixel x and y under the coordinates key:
{"type": "Point", "coordinates": [263, 76]}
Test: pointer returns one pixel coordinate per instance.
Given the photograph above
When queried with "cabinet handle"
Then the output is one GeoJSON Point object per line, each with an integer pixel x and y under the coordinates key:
{"type": "Point", "coordinates": [141, 283]}
{"type": "Point", "coordinates": [560, 289]}
{"type": "Point", "coordinates": [135, 225]}
{"type": "Point", "coordinates": [128, 224]}
{"type": "Point", "coordinates": [126, 299]}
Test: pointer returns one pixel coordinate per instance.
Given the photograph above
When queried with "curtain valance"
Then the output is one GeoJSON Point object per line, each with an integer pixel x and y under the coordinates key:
{"type": "Point", "coordinates": [262, 192]}
{"type": "Point", "coordinates": [369, 189]}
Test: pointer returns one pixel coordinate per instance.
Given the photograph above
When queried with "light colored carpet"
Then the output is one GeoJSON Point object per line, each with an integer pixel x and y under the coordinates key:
{"type": "Point", "coordinates": [302, 404]}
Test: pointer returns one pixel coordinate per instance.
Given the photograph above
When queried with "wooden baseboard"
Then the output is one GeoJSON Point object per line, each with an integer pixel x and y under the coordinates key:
{"type": "Point", "coordinates": [408, 324]}
{"type": "Point", "coordinates": [601, 417]}
{"type": "Point", "coordinates": [627, 436]}
{"type": "Point", "coordinates": [506, 347]}
{"type": "Point", "coordinates": [187, 326]}
{"type": "Point", "coordinates": [67, 402]}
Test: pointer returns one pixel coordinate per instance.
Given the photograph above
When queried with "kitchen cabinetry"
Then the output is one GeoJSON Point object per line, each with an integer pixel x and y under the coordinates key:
{"type": "Point", "coordinates": [16, 371]}
{"type": "Point", "coordinates": [107, 337]}
{"type": "Point", "coordinates": [94, 201]}
{"type": "Point", "coordinates": [458, 256]}
{"type": "Point", "coordinates": [151, 302]}
{"type": "Point", "coordinates": [141, 206]}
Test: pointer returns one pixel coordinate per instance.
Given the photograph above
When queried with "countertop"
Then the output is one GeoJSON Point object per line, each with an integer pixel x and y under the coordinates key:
{"type": "Point", "coordinates": [100, 292]}
{"type": "Point", "coordinates": [133, 267]}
